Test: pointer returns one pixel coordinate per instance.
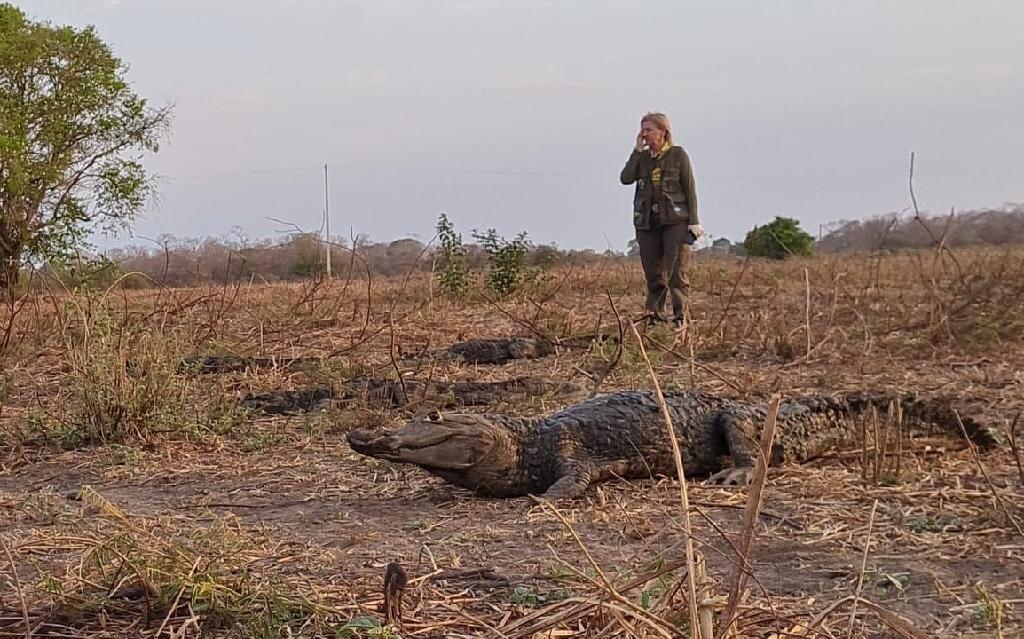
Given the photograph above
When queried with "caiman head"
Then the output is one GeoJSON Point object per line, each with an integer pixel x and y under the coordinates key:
{"type": "Point", "coordinates": [444, 444]}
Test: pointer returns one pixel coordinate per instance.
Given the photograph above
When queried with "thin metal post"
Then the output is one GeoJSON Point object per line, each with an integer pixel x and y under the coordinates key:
{"type": "Point", "coordinates": [327, 221]}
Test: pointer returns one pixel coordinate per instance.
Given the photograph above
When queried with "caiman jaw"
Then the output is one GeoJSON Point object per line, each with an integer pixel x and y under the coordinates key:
{"type": "Point", "coordinates": [385, 445]}
{"type": "Point", "coordinates": [426, 445]}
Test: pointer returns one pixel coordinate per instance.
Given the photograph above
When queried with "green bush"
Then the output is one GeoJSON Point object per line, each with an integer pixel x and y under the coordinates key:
{"type": "Point", "coordinates": [452, 268]}
{"type": "Point", "coordinates": [307, 258]}
{"type": "Point", "coordinates": [506, 260]}
{"type": "Point", "coordinates": [778, 240]}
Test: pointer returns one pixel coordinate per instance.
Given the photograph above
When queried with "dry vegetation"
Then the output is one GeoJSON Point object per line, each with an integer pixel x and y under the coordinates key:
{"type": "Point", "coordinates": [187, 262]}
{"type": "Point", "coordinates": [139, 500]}
{"type": "Point", "coordinates": [182, 262]}
{"type": "Point", "coordinates": [991, 227]}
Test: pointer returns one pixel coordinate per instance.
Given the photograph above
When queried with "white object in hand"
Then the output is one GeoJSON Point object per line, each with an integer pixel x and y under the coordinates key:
{"type": "Point", "coordinates": [697, 230]}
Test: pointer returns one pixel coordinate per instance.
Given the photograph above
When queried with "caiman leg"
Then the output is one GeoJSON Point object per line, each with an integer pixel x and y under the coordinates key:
{"type": "Point", "coordinates": [570, 485]}
{"type": "Point", "coordinates": [739, 437]}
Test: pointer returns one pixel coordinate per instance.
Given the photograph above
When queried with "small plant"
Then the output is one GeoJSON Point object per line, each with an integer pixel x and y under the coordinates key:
{"type": "Point", "coordinates": [259, 441]}
{"type": "Point", "coordinates": [603, 352]}
{"type": "Point", "coordinates": [6, 388]}
{"type": "Point", "coordinates": [778, 240]}
{"type": "Point", "coordinates": [530, 596]}
{"type": "Point", "coordinates": [654, 591]}
{"type": "Point", "coordinates": [366, 627]}
{"type": "Point", "coordinates": [557, 573]}
{"type": "Point", "coordinates": [45, 506]}
{"type": "Point", "coordinates": [452, 267]}
{"type": "Point", "coordinates": [888, 584]}
{"type": "Point", "coordinates": [506, 260]}
{"type": "Point", "coordinates": [988, 612]}
{"type": "Point", "coordinates": [941, 524]}
{"type": "Point", "coordinates": [126, 455]}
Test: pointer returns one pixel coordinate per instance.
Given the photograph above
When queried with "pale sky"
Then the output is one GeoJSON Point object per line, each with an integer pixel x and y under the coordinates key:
{"type": "Point", "coordinates": [519, 114]}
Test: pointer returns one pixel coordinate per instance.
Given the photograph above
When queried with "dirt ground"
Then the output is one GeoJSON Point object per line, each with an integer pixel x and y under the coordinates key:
{"type": "Point", "coordinates": [927, 533]}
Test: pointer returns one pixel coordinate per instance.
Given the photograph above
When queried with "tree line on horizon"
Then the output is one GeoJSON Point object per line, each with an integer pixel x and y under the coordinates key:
{"type": "Point", "coordinates": [233, 257]}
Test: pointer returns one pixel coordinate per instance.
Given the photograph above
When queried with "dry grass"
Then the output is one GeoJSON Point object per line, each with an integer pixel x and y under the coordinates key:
{"type": "Point", "coordinates": [202, 519]}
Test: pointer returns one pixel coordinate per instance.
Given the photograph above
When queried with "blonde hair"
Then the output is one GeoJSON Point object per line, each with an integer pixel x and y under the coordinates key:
{"type": "Point", "coordinates": [660, 120]}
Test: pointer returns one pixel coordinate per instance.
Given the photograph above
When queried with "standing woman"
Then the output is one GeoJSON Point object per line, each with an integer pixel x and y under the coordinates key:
{"type": "Point", "coordinates": [664, 214]}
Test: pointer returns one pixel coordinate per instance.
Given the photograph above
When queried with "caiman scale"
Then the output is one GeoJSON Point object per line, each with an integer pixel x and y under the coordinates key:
{"type": "Point", "coordinates": [623, 435]}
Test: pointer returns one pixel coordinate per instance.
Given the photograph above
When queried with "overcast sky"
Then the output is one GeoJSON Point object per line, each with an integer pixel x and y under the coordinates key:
{"type": "Point", "coordinates": [519, 114]}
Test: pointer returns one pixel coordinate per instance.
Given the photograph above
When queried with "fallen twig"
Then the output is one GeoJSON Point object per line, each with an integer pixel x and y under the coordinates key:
{"type": "Point", "coordinates": [863, 567]}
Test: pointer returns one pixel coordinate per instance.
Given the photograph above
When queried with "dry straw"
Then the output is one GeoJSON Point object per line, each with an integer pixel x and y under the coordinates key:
{"type": "Point", "coordinates": [320, 523]}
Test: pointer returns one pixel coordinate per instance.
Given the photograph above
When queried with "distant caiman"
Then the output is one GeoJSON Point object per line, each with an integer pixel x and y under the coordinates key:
{"type": "Point", "coordinates": [623, 434]}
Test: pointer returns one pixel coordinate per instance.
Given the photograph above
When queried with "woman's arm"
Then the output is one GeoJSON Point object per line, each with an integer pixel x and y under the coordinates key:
{"type": "Point", "coordinates": [689, 188]}
{"type": "Point", "coordinates": [632, 168]}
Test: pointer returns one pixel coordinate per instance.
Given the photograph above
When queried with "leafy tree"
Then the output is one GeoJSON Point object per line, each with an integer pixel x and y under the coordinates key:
{"type": "Point", "coordinates": [72, 132]}
{"type": "Point", "coordinates": [778, 239]}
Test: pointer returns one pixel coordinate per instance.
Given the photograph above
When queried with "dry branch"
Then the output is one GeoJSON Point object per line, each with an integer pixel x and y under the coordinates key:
{"type": "Point", "coordinates": [16, 582]}
{"type": "Point", "coordinates": [684, 497]}
{"type": "Point", "coordinates": [1015, 448]}
{"type": "Point", "coordinates": [988, 480]}
{"type": "Point", "coordinates": [750, 515]}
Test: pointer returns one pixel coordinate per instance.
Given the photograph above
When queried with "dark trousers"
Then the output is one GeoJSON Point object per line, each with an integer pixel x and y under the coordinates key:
{"type": "Point", "coordinates": [662, 249]}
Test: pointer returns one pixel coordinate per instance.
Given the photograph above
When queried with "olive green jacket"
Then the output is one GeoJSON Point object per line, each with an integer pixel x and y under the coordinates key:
{"type": "Point", "coordinates": [676, 199]}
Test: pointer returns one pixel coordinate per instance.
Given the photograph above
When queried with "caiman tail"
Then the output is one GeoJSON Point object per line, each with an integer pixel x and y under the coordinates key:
{"type": "Point", "coordinates": [917, 411]}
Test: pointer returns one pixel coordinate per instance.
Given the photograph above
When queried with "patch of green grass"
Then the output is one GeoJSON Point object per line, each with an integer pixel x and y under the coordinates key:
{"type": "Point", "coordinates": [366, 627]}
{"type": "Point", "coordinates": [332, 371]}
{"type": "Point", "coordinates": [888, 584]}
{"type": "Point", "coordinates": [258, 441]}
{"type": "Point", "coordinates": [6, 387]}
{"type": "Point", "coordinates": [417, 525]}
{"type": "Point", "coordinates": [43, 507]}
{"type": "Point", "coordinates": [654, 591]}
{"type": "Point", "coordinates": [888, 480]}
{"type": "Point", "coordinates": [530, 596]}
{"type": "Point", "coordinates": [126, 455]}
{"type": "Point", "coordinates": [558, 573]}
{"type": "Point", "coordinates": [940, 524]}
{"type": "Point", "coordinates": [985, 331]}
{"type": "Point", "coordinates": [631, 362]}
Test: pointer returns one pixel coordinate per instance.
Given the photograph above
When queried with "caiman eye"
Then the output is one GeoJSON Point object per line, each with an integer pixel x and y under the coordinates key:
{"type": "Point", "coordinates": [435, 416]}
